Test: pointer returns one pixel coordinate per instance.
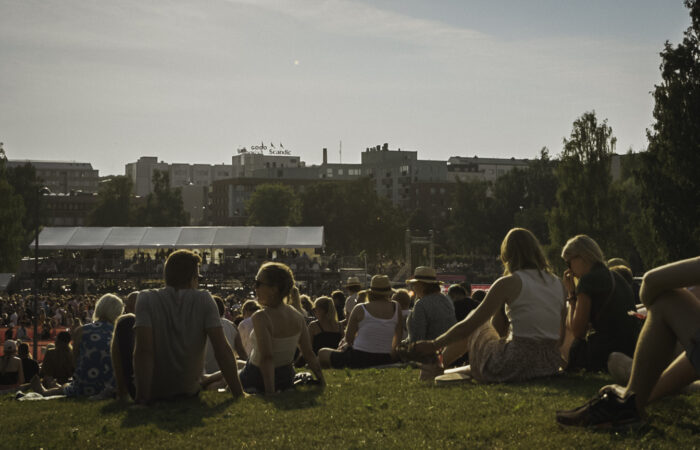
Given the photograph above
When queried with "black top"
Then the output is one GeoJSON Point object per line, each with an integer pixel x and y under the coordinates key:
{"type": "Point", "coordinates": [329, 339]}
{"type": "Point", "coordinates": [463, 307]}
{"type": "Point", "coordinates": [30, 368]}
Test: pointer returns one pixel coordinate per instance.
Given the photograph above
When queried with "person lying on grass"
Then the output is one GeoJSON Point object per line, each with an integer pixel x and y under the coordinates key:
{"type": "Point", "coordinates": [673, 315]}
{"type": "Point", "coordinates": [278, 329]}
{"type": "Point", "coordinates": [93, 369]}
{"type": "Point", "coordinates": [528, 298]}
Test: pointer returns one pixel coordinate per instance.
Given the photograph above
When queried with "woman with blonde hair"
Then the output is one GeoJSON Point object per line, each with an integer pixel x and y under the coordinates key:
{"type": "Point", "coordinates": [325, 331]}
{"type": "Point", "coordinates": [515, 333]}
{"type": "Point", "coordinates": [599, 302]}
{"type": "Point", "coordinates": [93, 372]}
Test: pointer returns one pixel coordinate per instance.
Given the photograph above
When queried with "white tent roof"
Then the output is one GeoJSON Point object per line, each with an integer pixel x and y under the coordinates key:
{"type": "Point", "coordinates": [75, 238]}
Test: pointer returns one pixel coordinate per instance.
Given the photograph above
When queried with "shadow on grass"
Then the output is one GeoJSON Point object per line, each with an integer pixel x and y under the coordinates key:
{"type": "Point", "coordinates": [171, 416]}
{"type": "Point", "coordinates": [299, 398]}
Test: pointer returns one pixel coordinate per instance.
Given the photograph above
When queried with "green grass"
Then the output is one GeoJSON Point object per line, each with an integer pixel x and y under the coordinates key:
{"type": "Point", "coordinates": [386, 408]}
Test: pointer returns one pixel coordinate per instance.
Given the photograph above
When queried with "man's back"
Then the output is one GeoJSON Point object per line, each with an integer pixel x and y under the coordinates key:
{"type": "Point", "coordinates": [178, 320]}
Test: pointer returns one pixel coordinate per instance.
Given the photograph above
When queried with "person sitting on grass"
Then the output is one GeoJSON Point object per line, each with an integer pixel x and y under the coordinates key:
{"type": "Point", "coordinates": [93, 371]}
{"type": "Point", "coordinates": [373, 332]}
{"type": "Point", "coordinates": [403, 298]}
{"type": "Point", "coordinates": [58, 365]}
{"type": "Point", "coordinates": [232, 337]}
{"type": "Point", "coordinates": [245, 327]}
{"type": "Point", "coordinates": [598, 317]}
{"type": "Point", "coordinates": [29, 364]}
{"type": "Point", "coordinates": [171, 330]}
{"type": "Point", "coordinates": [11, 371]}
{"type": "Point", "coordinates": [122, 349]}
{"type": "Point", "coordinates": [673, 315]}
{"type": "Point", "coordinates": [433, 313]}
{"type": "Point", "coordinates": [515, 333]}
{"type": "Point", "coordinates": [325, 331]}
{"type": "Point", "coordinates": [278, 329]}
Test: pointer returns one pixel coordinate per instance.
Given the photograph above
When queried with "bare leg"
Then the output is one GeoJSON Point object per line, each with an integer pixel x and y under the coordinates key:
{"type": "Point", "coordinates": [678, 375]}
{"type": "Point", "coordinates": [675, 315]}
{"type": "Point", "coordinates": [324, 357]}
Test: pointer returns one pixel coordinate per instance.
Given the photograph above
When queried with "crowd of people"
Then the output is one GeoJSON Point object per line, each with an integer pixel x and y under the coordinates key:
{"type": "Point", "coordinates": [172, 342]}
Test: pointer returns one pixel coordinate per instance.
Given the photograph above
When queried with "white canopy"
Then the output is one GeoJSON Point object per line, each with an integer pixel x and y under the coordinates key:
{"type": "Point", "coordinates": [76, 238]}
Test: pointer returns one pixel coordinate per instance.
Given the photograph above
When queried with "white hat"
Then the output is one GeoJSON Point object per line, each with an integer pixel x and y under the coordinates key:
{"type": "Point", "coordinates": [424, 274]}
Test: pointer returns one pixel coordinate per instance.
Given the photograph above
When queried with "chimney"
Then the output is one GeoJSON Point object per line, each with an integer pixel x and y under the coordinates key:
{"type": "Point", "coordinates": [325, 156]}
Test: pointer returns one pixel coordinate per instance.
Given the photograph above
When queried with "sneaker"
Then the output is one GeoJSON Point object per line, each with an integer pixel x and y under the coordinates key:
{"type": "Point", "coordinates": [609, 409]}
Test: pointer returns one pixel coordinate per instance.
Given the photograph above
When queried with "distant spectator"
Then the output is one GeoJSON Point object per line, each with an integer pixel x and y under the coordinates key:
{"type": "Point", "coordinates": [29, 364]}
{"type": "Point", "coordinates": [478, 295]}
{"type": "Point", "coordinates": [353, 286]}
{"type": "Point", "coordinates": [339, 301]}
{"type": "Point", "coordinates": [462, 303]}
{"type": "Point", "coordinates": [11, 370]}
{"type": "Point", "coordinates": [325, 331]}
{"type": "Point", "coordinates": [433, 313]}
{"type": "Point", "coordinates": [58, 365]}
{"type": "Point", "coordinates": [232, 337]}
{"type": "Point", "coordinates": [403, 298]}
{"type": "Point", "coordinates": [245, 328]}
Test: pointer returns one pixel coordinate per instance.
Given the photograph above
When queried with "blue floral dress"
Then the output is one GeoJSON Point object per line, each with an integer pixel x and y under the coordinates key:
{"type": "Point", "coordinates": [93, 372]}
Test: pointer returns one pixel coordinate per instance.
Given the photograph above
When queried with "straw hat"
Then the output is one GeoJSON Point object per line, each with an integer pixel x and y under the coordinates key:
{"type": "Point", "coordinates": [424, 274]}
{"type": "Point", "coordinates": [381, 285]}
{"type": "Point", "coordinates": [353, 281]}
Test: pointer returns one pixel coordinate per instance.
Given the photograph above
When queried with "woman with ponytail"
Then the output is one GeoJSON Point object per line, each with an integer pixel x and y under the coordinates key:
{"type": "Point", "coordinates": [278, 329]}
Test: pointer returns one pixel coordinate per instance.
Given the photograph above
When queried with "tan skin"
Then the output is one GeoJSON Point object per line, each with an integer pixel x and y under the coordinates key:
{"type": "Point", "coordinates": [455, 340]}
{"type": "Point", "coordinates": [279, 320]}
{"type": "Point", "coordinates": [580, 312]}
{"type": "Point", "coordinates": [324, 321]}
{"type": "Point", "coordinates": [12, 363]}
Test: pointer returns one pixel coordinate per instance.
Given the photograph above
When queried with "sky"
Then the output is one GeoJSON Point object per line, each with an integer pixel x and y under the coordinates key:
{"type": "Point", "coordinates": [106, 82]}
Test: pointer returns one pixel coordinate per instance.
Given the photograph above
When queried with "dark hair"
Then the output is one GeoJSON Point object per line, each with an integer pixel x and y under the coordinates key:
{"type": "Point", "coordinates": [338, 297]}
{"type": "Point", "coordinates": [456, 289]}
{"type": "Point", "coordinates": [467, 287]}
{"type": "Point", "coordinates": [278, 275]}
{"type": "Point", "coordinates": [478, 295]}
{"type": "Point", "coordinates": [180, 268]}
{"type": "Point", "coordinates": [219, 304]}
{"type": "Point", "coordinates": [624, 272]}
{"type": "Point", "coordinates": [23, 350]}
{"type": "Point", "coordinates": [430, 288]}
{"type": "Point", "coordinates": [63, 337]}
{"type": "Point", "coordinates": [354, 288]}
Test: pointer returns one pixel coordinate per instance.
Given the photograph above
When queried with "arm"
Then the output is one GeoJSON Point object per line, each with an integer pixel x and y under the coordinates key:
{"type": "Point", "coordinates": [307, 352]}
{"type": "Point", "coordinates": [580, 315]}
{"type": "Point", "coordinates": [398, 331]}
{"type": "Point", "coordinates": [143, 363]}
{"type": "Point", "coordinates": [504, 289]}
{"type": "Point", "coordinates": [678, 274]}
{"type": "Point", "coordinates": [77, 338]}
{"type": "Point", "coordinates": [238, 346]}
{"type": "Point", "coordinates": [224, 357]}
{"type": "Point", "coordinates": [264, 348]}
{"type": "Point", "coordinates": [500, 321]}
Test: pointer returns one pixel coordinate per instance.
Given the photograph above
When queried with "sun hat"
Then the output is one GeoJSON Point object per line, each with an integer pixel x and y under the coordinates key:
{"type": "Point", "coordinates": [424, 274]}
{"type": "Point", "coordinates": [380, 284]}
{"type": "Point", "coordinates": [353, 281]}
{"type": "Point", "coordinates": [10, 346]}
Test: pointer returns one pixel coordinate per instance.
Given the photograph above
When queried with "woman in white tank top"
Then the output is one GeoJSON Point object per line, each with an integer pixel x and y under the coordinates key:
{"type": "Point", "coordinates": [515, 332]}
{"type": "Point", "coordinates": [373, 332]}
{"type": "Point", "coordinates": [278, 329]}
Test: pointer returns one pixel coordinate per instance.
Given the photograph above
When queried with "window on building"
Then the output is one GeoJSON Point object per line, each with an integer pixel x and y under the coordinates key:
{"type": "Point", "coordinates": [329, 173]}
{"type": "Point", "coordinates": [340, 171]}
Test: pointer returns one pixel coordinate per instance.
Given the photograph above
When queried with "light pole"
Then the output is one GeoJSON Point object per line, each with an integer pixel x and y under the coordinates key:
{"type": "Point", "coordinates": [40, 193]}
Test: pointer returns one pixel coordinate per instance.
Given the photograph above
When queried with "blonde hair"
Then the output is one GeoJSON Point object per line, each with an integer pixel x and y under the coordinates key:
{"type": "Point", "coordinates": [327, 305]}
{"type": "Point", "coordinates": [520, 249]}
{"type": "Point", "coordinates": [294, 299]}
{"type": "Point", "coordinates": [585, 247]}
{"type": "Point", "coordinates": [108, 308]}
{"type": "Point", "coordinates": [280, 276]}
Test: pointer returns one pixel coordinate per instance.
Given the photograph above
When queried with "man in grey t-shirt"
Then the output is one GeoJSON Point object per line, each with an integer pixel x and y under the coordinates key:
{"type": "Point", "coordinates": [171, 330]}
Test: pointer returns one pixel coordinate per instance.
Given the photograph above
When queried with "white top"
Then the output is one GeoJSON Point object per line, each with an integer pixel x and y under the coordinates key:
{"type": "Point", "coordinates": [350, 303]}
{"type": "Point", "coordinates": [536, 312]}
{"type": "Point", "coordinates": [245, 327]}
{"type": "Point", "coordinates": [375, 335]}
{"type": "Point", "coordinates": [210, 364]}
{"type": "Point", "coordinates": [283, 350]}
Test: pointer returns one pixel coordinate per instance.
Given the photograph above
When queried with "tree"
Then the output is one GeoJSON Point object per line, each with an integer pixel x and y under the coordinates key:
{"type": "Point", "coordinates": [113, 208]}
{"type": "Point", "coordinates": [470, 219]}
{"type": "Point", "coordinates": [354, 218]}
{"type": "Point", "coordinates": [273, 205]}
{"type": "Point", "coordinates": [11, 214]}
{"type": "Point", "coordinates": [26, 184]}
{"type": "Point", "coordinates": [585, 203]}
{"type": "Point", "coordinates": [670, 188]}
{"type": "Point", "coordinates": [163, 207]}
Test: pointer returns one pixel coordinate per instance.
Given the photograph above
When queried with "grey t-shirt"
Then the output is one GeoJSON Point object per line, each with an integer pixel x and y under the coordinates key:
{"type": "Point", "coordinates": [179, 320]}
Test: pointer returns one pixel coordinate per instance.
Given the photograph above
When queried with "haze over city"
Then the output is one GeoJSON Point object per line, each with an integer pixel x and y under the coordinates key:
{"type": "Point", "coordinates": [107, 82]}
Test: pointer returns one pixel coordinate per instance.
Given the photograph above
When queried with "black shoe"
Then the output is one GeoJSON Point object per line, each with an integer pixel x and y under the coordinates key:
{"type": "Point", "coordinates": [607, 410]}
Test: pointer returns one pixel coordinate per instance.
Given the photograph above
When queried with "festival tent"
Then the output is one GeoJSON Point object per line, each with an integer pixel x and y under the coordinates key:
{"type": "Point", "coordinates": [79, 238]}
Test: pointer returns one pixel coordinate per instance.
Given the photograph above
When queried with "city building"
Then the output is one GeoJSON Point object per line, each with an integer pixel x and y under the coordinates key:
{"type": "Point", "coordinates": [203, 175]}
{"type": "Point", "coordinates": [68, 210]}
{"type": "Point", "coordinates": [63, 177]}
{"type": "Point", "coordinates": [460, 168]}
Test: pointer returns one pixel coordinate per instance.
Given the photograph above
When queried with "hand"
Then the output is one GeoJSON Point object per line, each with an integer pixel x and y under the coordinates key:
{"type": "Point", "coordinates": [569, 281]}
{"type": "Point", "coordinates": [425, 347]}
